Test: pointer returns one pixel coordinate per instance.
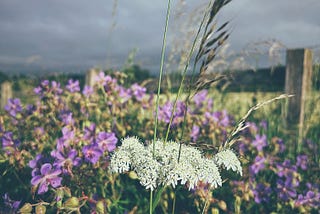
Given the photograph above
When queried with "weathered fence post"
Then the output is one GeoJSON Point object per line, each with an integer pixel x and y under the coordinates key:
{"type": "Point", "coordinates": [90, 76]}
{"type": "Point", "coordinates": [6, 93]}
{"type": "Point", "coordinates": [298, 83]}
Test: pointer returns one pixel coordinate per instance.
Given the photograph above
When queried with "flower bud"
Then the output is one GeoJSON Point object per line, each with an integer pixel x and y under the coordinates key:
{"type": "Point", "coordinates": [40, 209]}
{"type": "Point", "coordinates": [133, 175]}
{"type": "Point", "coordinates": [27, 208]}
{"type": "Point", "coordinates": [214, 210]}
{"type": "Point", "coordinates": [72, 202]}
{"type": "Point", "coordinates": [222, 205]}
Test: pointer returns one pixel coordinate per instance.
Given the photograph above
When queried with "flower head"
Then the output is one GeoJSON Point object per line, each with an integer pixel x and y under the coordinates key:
{"type": "Point", "coordinates": [166, 167]}
{"type": "Point", "coordinates": [92, 153]}
{"type": "Point", "coordinates": [9, 144]}
{"type": "Point", "coordinates": [302, 161]}
{"type": "Point", "coordinates": [259, 164]}
{"type": "Point", "coordinates": [107, 141]}
{"type": "Point", "coordinates": [260, 142]}
{"type": "Point", "coordinates": [138, 91]}
{"type": "Point", "coordinates": [48, 176]}
{"type": "Point", "coordinates": [13, 107]}
{"type": "Point", "coordinates": [87, 91]}
{"type": "Point", "coordinates": [73, 86]}
{"type": "Point", "coordinates": [195, 133]}
{"type": "Point", "coordinates": [200, 97]}
{"type": "Point", "coordinates": [66, 160]}
{"type": "Point", "coordinates": [229, 160]}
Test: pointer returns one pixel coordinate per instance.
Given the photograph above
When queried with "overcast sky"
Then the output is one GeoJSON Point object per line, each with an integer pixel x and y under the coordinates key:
{"type": "Point", "coordinates": [79, 34]}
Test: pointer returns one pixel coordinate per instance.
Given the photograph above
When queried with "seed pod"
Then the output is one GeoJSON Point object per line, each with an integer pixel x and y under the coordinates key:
{"type": "Point", "coordinates": [72, 202]}
{"type": "Point", "coordinates": [40, 209]}
{"type": "Point", "coordinates": [27, 208]}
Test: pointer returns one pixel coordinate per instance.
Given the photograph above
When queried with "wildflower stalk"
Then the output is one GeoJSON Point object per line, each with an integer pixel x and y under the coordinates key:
{"type": "Point", "coordinates": [152, 206]}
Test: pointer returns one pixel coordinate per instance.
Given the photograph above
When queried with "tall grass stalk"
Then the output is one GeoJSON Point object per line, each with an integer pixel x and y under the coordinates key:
{"type": "Point", "coordinates": [186, 69]}
{"type": "Point", "coordinates": [151, 207]}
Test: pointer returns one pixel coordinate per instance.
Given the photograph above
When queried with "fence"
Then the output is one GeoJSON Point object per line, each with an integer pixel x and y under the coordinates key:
{"type": "Point", "coordinates": [6, 93]}
{"type": "Point", "coordinates": [298, 82]}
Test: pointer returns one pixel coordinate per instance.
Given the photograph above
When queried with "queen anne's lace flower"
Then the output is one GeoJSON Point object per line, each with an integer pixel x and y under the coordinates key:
{"type": "Point", "coordinates": [229, 160]}
{"type": "Point", "coordinates": [168, 166]}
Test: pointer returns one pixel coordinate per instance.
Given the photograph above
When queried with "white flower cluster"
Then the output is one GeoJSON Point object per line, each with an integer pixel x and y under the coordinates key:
{"type": "Point", "coordinates": [229, 160]}
{"type": "Point", "coordinates": [165, 168]}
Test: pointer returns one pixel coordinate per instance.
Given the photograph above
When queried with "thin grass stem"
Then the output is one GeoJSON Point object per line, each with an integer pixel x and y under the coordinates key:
{"type": "Point", "coordinates": [151, 208]}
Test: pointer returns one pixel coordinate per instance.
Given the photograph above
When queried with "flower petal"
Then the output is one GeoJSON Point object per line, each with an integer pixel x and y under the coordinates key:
{"type": "Point", "coordinates": [45, 168]}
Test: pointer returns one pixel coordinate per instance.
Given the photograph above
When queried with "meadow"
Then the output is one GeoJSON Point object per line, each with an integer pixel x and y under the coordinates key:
{"type": "Point", "coordinates": [117, 147]}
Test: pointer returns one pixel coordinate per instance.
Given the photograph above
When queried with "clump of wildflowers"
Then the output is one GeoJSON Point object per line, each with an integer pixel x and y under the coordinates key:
{"type": "Point", "coordinates": [170, 163]}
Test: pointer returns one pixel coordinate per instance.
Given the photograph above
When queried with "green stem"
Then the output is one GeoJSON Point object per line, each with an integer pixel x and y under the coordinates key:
{"type": "Point", "coordinates": [160, 74]}
{"type": "Point", "coordinates": [151, 208]}
{"type": "Point", "coordinates": [151, 202]}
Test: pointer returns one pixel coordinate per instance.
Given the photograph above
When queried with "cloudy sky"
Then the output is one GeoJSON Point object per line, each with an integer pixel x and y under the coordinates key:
{"type": "Point", "coordinates": [75, 35]}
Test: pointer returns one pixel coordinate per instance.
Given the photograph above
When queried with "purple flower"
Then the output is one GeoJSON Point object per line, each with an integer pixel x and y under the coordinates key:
{"type": "Point", "coordinates": [66, 160]}
{"type": "Point", "coordinates": [37, 90]}
{"type": "Point", "coordinates": [195, 133]}
{"type": "Point", "coordinates": [302, 161]}
{"type": "Point", "coordinates": [45, 83]}
{"type": "Point", "coordinates": [285, 169]}
{"type": "Point", "coordinates": [220, 118]}
{"type": "Point", "coordinates": [138, 91]}
{"type": "Point", "coordinates": [165, 112]}
{"type": "Point", "coordinates": [55, 88]}
{"type": "Point", "coordinates": [36, 164]}
{"type": "Point", "coordinates": [199, 98]}
{"type": "Point", "coordinates": [92, 153]}
{"type": "Point", "coordinates": [73, 86]}
{"type": "Point", "coordinates": [124, 94]}
{"type": "Point", "coordinates": [87, 91]}
{"type": "Point", "coordinates": [259, 164]}
{"type": "Point", "coordinates": [260, 142]}
{"type": "Point", "coordinates": [68, 138]}
{"type": "Point", "coordinates": [67, 118]}
{"type": "Point", "coordinates": [102, 79]}
{"type": "Point", "coordinates": [33, 163]}
{"type": "Point", "coordinates": [11, 205]}
{"type": "Point", "coordinates": [13, 107]}
{"type": "Point", "coordinates": [107, 141]}
{"type": "Point", "coordinates": [285, 190]}
{"type": "Point", "coordinates": [311, 199]}
{"type": "Point", "coordinates": [8, 143]}
{"type": "Point", "coordinates": [47, 177]}
{"type": "Point", "coordinates": [261, 193]}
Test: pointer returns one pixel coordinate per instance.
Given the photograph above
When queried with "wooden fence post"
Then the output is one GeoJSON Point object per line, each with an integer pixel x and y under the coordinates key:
{"type": "Point", "coordinates": [90, 76]}
{"type": "Point", "coordinates": [6, 93]}
{"type": "Point", "coordinates": [298, 82]}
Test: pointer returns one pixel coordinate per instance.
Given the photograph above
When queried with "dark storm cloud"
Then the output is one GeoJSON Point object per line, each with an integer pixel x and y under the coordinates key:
{"type": "Point", "coordinates": [79, 33]}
